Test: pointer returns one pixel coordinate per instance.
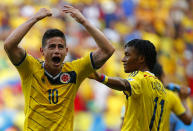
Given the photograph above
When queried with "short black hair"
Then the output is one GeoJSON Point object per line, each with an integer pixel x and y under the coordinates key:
{"type": "Point", "coordinates": [157, 70]}
{"type": "Point", "coordinates": [146, 49]}
{"type": "Point", "coordinates": [52, 33]}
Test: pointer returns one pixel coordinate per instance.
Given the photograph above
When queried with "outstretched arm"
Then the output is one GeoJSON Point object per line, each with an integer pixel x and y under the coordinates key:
{"type": "Point", "coordinates": [14, 52]}
{"type": "Point", "coordinates": [115, 83]}
{"type": "Point", "coordinates": [187, 116]}
{"type": "Point", "coordinates": [105, 49]}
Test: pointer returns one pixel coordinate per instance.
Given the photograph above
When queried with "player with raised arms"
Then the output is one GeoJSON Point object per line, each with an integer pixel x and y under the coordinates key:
{"type": "Point", "coordinates": [50, 86]}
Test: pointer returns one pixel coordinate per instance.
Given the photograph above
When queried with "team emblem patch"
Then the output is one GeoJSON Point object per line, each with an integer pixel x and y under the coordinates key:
{"type": "Point", "coordinates": [65, 78]}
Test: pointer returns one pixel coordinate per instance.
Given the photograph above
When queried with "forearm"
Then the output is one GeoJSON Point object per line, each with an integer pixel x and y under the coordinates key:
{"type": "Point", "coordinates": [187, 108]}
{"type": "Point", "coordinates": [187, 116]}
{"type": "Point", "coordinates": [105, 49]}
{"type": "Point", "coordinates": [101, 40]}
{"type": "Point", "coordinates": [16, 36]}
{"type": "Point", "coordinates": [115, 83]}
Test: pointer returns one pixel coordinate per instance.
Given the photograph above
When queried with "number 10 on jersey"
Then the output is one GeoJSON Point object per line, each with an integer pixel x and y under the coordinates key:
{"type": "Point", "coordinates": [53, 96]}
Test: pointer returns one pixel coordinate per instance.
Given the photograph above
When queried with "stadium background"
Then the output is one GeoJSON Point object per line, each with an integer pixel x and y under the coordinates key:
{"type": "Point", "coordinates": [167, 23]}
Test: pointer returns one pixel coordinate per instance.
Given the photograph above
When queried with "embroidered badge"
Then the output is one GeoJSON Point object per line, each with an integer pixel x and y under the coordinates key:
{"type": "Point", "coordinates": [64, 78]}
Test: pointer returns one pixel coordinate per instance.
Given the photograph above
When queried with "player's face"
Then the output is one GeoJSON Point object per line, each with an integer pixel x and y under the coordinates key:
{"type": "Point", "coordinates": [54, 52]}
{"type": "Point", "coordinates": [131, 60]}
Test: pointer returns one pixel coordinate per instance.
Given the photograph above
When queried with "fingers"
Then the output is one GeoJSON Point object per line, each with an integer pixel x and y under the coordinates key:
{"type": "Point", "coordinates": [68, 9]}
{"type": "Point", "coordinates": [75, 13]}
{"type": "Point", "coordinates": [45, 12]}
{"type": "Point", "coordinates": [184, 92]}
{"type": "Point", "coordinates": [68, 6]}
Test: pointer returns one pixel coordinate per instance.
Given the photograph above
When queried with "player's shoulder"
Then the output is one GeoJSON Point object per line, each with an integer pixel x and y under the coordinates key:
{"type": "Point", "coordinates": [134, 74]}
{"type": "Point", "coordinates": [173, 99]}
{"type": "Point", "coordinates": [69, 65]}
{"type": "Point", "coordinates": [141, 74]}
{"type": "Point", "coordinates": [150, 76]}
{"type": "Point", "coordinates": [32, 59]}
{"type": "Point", "coordinates": [137, 75]}
{"type": "Point", "coordinates": [171, 94]}
{"type": "Point", "coordinates": [79, 61]}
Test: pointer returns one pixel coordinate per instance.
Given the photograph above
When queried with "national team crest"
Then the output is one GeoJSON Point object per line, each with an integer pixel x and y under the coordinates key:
{"type": "Point", "coordinates": [65, 78]}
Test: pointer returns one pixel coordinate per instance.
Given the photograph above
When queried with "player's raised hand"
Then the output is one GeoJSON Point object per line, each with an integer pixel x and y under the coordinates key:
{"type": "Point", "coordinates": [75, 13]}
{"type": "Point", "coordinates": [42, 13]}
{"type": "Point", "coordinates": [184, 92]}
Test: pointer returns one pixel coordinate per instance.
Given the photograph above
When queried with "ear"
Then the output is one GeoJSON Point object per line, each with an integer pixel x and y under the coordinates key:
{"type": "Point", "coordinates": [141, 59]}
{"type": "Point", "coordinates": [41, 50]}
{"type": "Point", "coordinates": [66, 51]}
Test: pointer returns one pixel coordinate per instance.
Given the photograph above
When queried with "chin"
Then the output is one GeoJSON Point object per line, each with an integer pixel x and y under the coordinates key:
{"type": "Point", "coordinates": [56, 66]}
{"type": "Point", "coordinates": [126, 71]}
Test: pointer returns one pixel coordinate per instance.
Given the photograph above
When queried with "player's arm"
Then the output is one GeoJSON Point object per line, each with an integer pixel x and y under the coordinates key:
{"type": "Point", "coordinates": [115, 83]}
{"type": "Point", "coordinates": [187, 116]}
{"type": "Point", "coordinates": [11, 44]}
{"type": "Point", "coordinates": [105, 49]}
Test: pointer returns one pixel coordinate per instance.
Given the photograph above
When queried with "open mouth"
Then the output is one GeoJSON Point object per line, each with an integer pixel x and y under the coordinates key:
{"type": "Point", "coordinates": [56, 59]}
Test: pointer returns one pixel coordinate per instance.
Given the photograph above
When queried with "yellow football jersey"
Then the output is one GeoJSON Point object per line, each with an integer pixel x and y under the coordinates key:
{"type": "Point", "coordinates": [145, 105]}
{"type": "Point", "coordinates": [174, 105]}
{"type": "Point", "coordinates": [49, 103]}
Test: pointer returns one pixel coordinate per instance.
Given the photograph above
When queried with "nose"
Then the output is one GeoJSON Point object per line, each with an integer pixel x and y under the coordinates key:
{"type": "Point", "coordinates": [56, 50]}
{"type": "Point", "coordinates": [123, 59]}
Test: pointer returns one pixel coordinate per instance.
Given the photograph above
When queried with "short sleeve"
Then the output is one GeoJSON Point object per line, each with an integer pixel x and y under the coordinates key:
{"type": "Point", "coordinates": [84, 66]}
{"type": "Point", "coordinates": [177, 106]}
{"type": "Point", "coordinates": [25, 67]}
{"type": "Point", "coordinates": [135, 86]}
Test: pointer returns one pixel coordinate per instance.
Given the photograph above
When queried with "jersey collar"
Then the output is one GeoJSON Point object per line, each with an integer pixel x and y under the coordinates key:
{"type": "Point", "coordinates": [48, 74]}
{"type": "Point", "coordinates": [150, 72]}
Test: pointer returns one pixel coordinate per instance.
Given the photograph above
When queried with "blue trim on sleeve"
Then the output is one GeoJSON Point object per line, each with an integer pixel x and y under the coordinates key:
{"type": "Point", "coordinates": [126, 95]}
{"type": "Point", "coordinates": [21, 60]}
{"type": "Point", "coordinates": [92, 62]}
{"type": "Point", "coordinates": [128, 89]}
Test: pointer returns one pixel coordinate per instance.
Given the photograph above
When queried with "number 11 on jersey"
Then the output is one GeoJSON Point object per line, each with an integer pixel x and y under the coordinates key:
{"type": "Point", "coordinates": [154, 112]}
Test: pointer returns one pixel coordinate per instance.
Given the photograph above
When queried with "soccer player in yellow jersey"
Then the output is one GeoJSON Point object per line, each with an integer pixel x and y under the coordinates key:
{"type": "Point", "coordinates": [145, 94]}
{"type": "Point", "coordinates": [176, 104]}
{"type": "Point", "coordinates": [50, 86]}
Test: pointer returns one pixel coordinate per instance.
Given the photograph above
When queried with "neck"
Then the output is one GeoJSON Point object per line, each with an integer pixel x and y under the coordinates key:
{"type": "Point", "coordinates": [51, 71]}
{"type": "Point", "coordinates": [144, 68]}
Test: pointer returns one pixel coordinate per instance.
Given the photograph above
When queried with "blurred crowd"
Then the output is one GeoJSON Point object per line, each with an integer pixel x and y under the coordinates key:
{"type": "Point", "coordinates": [166, 23]}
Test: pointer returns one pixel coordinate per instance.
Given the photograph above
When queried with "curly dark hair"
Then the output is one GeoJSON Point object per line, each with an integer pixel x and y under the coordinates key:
{"type": "Point", "coordinates": [146, 49]}
{"type": "Point", "coordinates": [52, 33]}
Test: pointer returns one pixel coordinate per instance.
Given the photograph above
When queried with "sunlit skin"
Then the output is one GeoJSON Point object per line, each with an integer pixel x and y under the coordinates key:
{"type": "Point", "coordinates": [132, 61]}
{"type": "Point", "coordinates": [54, 53]}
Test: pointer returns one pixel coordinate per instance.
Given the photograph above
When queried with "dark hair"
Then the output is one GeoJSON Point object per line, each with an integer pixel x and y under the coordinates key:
{"type": "Point", "coordinates": [146, 49]}
{"type": "Point", "coordinates": [52, 33]}
{"type": "Point", "coordinates": [157, 70]}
